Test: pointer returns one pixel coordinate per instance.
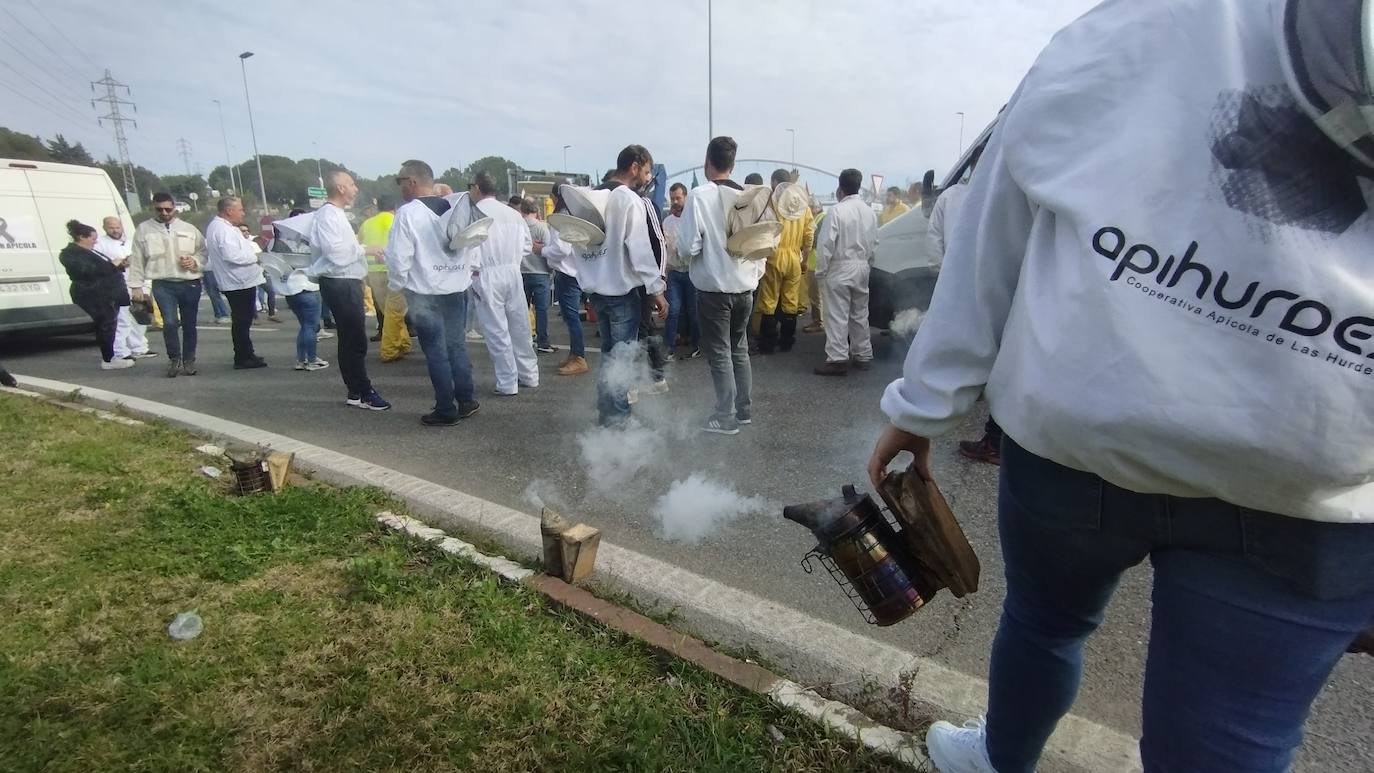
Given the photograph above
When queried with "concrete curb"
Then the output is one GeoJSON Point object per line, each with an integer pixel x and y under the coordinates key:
{"type": "Point", "coordinates": [836, 716]}
{"type": "Point", "coordinates": [844, 664]}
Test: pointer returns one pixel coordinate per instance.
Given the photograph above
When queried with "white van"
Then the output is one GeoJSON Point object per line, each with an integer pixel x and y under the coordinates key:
{"type": "Point", "coordinates": [37, 199]}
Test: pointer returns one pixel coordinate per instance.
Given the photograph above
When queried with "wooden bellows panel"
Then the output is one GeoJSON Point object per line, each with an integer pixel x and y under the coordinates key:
{"type": "Point", "coordinates": [937, 545]}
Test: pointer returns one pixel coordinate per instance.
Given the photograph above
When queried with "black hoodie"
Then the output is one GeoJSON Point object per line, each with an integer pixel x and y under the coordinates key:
{"type": "Point", "coordinates": [96, 282]}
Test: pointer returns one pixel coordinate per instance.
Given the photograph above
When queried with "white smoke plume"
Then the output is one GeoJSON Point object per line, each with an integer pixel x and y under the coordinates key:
{"type": "Point", "coordinates": [907, 323]}
{"type": "Point", "coordinates": [694, 508]}
{"type": "Point", "coordinates": [626, 367]}
{"type": "Point", "coordinates": [543, 493]}
{"type": "Point", "coordinates": [614, 459]}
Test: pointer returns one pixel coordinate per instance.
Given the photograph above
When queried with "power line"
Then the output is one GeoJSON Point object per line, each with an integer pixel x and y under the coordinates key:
{"type": "Point", "coordinates": [62, 86]}
{"type": "Point", "coordinates": [24, 96]}
{"type": "Point", "coordinates": [79, 49]}
{"type": "Point", "coordinates": [117, 118]}
{"type": "Point", "coordinates": [41, 42]}
{"type": "Point", "coordinates": [47, 94]}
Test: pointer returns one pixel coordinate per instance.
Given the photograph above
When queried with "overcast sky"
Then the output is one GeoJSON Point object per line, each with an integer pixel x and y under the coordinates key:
{"type": "Point", "coordinates": [872, 84]}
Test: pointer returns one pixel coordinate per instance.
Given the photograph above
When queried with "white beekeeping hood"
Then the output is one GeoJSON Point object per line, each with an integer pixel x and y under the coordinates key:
{"type": "Point", "coordinates": [1328, 57]}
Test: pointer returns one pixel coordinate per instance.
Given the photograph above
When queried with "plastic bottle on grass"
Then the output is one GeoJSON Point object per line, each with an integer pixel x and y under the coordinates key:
{"type": "Point", "coordinates": [186, 625]}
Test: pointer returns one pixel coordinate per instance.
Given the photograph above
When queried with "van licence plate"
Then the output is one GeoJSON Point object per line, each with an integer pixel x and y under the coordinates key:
{"type": "Point", "coordinates": [23, 288]}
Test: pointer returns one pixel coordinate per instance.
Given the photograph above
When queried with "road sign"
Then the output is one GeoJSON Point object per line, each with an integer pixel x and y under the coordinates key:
{"type": "Point", "coordinates": [193, 195]}
{"type": "Point", "coordinates": [316, 193]}
{"type": "Point", "coordinates": [316, 203]}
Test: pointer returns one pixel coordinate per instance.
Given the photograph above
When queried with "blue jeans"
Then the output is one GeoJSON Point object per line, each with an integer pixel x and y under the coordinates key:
{"type": "Point", "coordinates": [570, 306]}
{"type": "Point", "coordinates": [537, 293]}
{"type": "Point", "coordinates": [682, 304]}
{"type": "Point", "coordinates": [179, 301]}
{"type": "Point", "coordinates": [306, 306]}
{"type": "Point", "coordinates": [1251, 611]}
{"type": "Point", "coordinates": [217, 302]}
{"type": "Point", "coordinates": [617, 317]}
{"type": "Point", "coordinates": [440, 321]}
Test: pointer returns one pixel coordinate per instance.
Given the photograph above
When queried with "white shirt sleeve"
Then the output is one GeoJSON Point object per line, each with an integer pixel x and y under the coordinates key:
{"type": "Point", "coordinates": [400, 254]}
{"type": "Point", "coordinates": [334, 239]}
{"type": "Point", "coordinates": [937, 223]}
{"type": "Point", "coordinates": [825, 241]}
{"type": "Point", "coordinates": [689, 231]}
{"type": "Point", "coordinates": [949, 362]}
{"type": "Point", "coordinates": [232, 248]}
{"type": "Point", "coordinates": [626, 225]}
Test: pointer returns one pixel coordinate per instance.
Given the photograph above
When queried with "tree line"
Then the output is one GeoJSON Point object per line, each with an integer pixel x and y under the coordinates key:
{"type": "Point", "coordinates": [287, 179]}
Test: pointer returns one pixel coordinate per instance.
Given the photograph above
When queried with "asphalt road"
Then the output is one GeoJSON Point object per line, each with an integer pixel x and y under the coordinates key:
{"type": "Point", "coordinates": [810, 435]}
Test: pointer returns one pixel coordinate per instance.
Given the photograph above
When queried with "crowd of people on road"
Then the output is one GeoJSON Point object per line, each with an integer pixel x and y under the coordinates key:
{"type": "Point", "coordinates": [661, 286]}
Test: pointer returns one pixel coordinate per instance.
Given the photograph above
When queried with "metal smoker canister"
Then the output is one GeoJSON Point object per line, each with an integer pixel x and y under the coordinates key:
{"type": "Point", "coordinates": [861, 551]}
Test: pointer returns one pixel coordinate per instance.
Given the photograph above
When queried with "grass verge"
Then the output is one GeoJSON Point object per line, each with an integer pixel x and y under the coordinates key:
{"type": "Point", "coordinates": [327, 645]}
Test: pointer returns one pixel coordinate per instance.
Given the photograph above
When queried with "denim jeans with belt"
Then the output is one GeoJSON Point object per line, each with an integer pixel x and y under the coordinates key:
{"type": "Point", "coordinates": [1251, 611]}
{"type": "Point", "coordinates": [440, 322]}
{"type": "Point", "coordinates": [617, 317]}
{"type": "Point", "coordinates": [569, 294]}
{"type": "Point", "coordinates": [179, 302]}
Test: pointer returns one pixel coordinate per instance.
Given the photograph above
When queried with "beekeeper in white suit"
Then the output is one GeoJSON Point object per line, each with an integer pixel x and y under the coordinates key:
{"type": "Point", "coordinates": [502, 309]}
{"type": "Point", "coordinates": [1162, 280]}
{"type": "Point", "coordinates": [845, 250]}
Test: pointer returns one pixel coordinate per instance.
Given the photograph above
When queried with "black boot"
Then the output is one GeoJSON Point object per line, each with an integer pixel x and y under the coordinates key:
{"type": "Point", "coordinates": [789, 332]}
{"type": "Point", "coordinates": [768, 334]}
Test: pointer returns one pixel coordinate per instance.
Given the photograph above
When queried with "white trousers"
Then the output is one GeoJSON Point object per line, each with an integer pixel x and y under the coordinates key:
{"type": "Point", "coordinates": [504, 316]}
{"type": "Point", "coordinates": [844, 298]}
{"type": "Point", "coordinates": [130, 337]}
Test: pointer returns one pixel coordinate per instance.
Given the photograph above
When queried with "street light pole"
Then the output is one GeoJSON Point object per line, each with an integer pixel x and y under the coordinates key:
{"type": "Point", "coordinates": [710, 71]}
{"type": "Point", "coordinates": [262, 185]}
{"type": "Point", "coordinates": [793, 132]}
{"type": "Point", "coordinates": [319, 170]}
{"type": "Point", "coordinates": [961, 133]}
{"type": "Point", "coordinates": [228, 161]}
{"type": "Point", "coordinates": [565, 157]}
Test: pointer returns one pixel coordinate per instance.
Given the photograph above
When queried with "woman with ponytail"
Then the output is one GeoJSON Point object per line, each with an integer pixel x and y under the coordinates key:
{"type": "Point", "coordinates": [97, 287]}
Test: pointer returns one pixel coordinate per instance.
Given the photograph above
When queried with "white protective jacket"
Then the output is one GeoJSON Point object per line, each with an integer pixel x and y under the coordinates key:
{"type": "Point", "coordinates": [417, 258]}
{"type": "Point", "coordinates": [1163, 273]}
{"type": "Point", "coordinates": [625, 260]}
{"type": "Point", "coordinates": [231, 256]}
{"type": "Point", "coordinates": [701, 242]}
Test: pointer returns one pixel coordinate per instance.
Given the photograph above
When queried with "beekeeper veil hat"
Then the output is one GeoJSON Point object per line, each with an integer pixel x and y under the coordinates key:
{"type": "Point", "coordinates": [1327, 48]}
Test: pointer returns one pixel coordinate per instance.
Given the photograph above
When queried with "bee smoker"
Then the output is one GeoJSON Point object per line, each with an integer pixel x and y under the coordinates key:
{"type": "Point", "coordinates": [889, 572]}
{"type": "Point", "coordinates": [862, 552]}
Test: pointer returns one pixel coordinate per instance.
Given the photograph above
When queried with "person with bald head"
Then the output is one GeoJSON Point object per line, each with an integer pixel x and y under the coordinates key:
{"type": "Point", "coordinates": [131, 338]}
{"type": "Point", "coordinates": [236, 267]}
{"type": "Point", "coordinates": [339, 266]}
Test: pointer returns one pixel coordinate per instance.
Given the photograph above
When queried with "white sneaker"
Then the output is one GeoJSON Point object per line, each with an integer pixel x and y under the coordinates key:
{"type": "Point", "coordinates": [117, 364]}
{"type": "Point", "coordinates": [632, 396]}
{"type": "Point", "coordinates": [473, 335]}
{"type": "Point", "coordinates": [658, 388]}
{"type": "Point", "coordinates": [300, 365]}
{"type": "Point", "coordinates": [323, 335]}
{"type": "Point", "coordinates": [959, 749]}
{"type": "Point", "coordinates": [316, 364]}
